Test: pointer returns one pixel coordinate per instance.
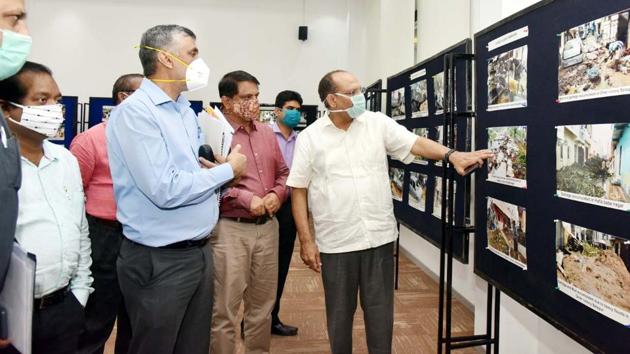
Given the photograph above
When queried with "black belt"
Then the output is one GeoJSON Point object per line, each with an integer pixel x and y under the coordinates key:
{"type": "Point", "coordinates": [51, 299]}
{"type": "Point", "coordinates": [177, 245]}
{"type": "Point", "coordinates": [186, 244]}
{"type": "Point", "coordinates": [258, 221]}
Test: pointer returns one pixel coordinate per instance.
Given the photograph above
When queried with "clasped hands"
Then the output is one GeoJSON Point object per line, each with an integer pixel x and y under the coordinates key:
{"type": "Point", "coordinates": [269, 204]}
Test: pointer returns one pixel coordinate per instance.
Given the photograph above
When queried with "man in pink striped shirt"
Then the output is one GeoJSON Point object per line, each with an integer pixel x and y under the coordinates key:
{"type": "Point", "coordinates": [106, 303]}
{"type": "Point", "coordinates": [245, 241]}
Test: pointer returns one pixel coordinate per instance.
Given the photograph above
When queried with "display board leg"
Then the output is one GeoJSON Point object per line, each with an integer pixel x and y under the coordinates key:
{"type": "Point", "coordinates": [446, 341]}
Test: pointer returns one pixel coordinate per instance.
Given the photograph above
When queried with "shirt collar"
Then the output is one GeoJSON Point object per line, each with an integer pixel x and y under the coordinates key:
{"type": "Point", "coordinates": [328, 122]}
{"type": "Point", "coordinates": [237, 126]}
{"type": "Point", "coordinates": [158, 96]}
{"type": "Point", "coordinates": [276, 129]}
{"type": "Point", "coordinates": [50, 154]}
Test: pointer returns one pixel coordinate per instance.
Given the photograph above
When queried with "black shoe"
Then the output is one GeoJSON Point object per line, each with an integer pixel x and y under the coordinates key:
{"type": "Point", "coordinates": [281, 329]}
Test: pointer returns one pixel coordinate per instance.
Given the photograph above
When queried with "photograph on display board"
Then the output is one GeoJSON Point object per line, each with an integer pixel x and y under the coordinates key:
{"type": "Point", "coordinates": [507, 80]}
{"type": "Point", "coordinates": [396, 177]}
{"type": "Point", "coordinates": [438, 92]}
{"type": "Point", "coordinates": [439, 138]}
{"type": "Point", "coordinates": [593, 164]}
{"type": "Point", "coordinates": [595, 59]}
{"type": "Point", "coordinates": [61, 133]}
{"type": "Point", "coordinates": [107, 110]}
{"type": "Point", "coordinates": [437, 196]}
{"type": "Point", "coordinates": [418, 190]}
{"type": "Point", "coordinates": [421, 132]}
{"type": "Point", "coordinates": [419, 99]}
{"type": "Point", "coordinates": [509, 166]}
{"type": "Point", "coordinates": [398, 104]}
{"type": "Point", "coordinates": [594, 268]}
{"type": "Point", "coordinates": [267, 115]}
{"type": "Point", "coordinates": [506, 231]}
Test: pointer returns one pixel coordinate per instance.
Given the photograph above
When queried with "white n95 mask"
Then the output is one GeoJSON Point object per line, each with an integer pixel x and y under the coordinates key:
{"type": "Point", "coordinates": [197, 75]}
{"type": "Point", "coordinates": [45, 120]}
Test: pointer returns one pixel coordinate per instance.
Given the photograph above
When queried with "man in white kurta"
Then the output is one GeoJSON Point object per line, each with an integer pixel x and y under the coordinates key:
{"type": "Point", "coordinates": [340, 167]}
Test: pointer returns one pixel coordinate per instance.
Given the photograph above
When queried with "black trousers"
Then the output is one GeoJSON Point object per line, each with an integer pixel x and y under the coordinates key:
{"type": "Point", "coordinates": [370, 273]}
{"type": "Point", "coordinates": [288, 232]}
{"type": "Point", "coordinates": [168, 295]}
{"type": "Point", "coordinates": [56, 329]}
{"type": "Point", "coordinates": [106, 303]}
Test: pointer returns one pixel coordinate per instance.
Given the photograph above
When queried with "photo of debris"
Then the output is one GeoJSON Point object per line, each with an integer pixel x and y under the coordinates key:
{"type": "Point", "coordinates": [509, 165]}
{"type": "Point", "coordinates": [594, 268]}
{"type": "Point", "coordinates": [267, 115]}
{"type": "Point", "coordinates": [438, 92]}
{"type": "Point", "coordinates": [421, 132]}
{"type": "Point", "coordinates": [107, 110]}
{"type": "Point", "coordinates": [398, 104]}
{"type": "Point", "coordinates": [507, 80]}
{"type": "Point", "coordinates": [418, 190]}
{"type": "Point", "coordinates": [594, 59]}
{"type": "Point", "coordinates": [593, 164]}
{"type": "Point", "coordinates": [396, 177]}
{"type": "Point", "coordinates": [439, 138]}
{"type": "Point", "coordinates": [419, 99]}
{"type": "Point", "coordinates": [437, 196]}
{"type": "Point", "coordinates": [506, 231]}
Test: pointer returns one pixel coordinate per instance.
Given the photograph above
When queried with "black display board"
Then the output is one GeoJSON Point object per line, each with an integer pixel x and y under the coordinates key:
{"type": "Point", "coordinates": [100, 108]}
{"type": "Point", "coordinates": [373, 95]}
{"type": "Point", "coordinates": [71, 115]}
{"type": "Point", "coordinates": [426, 114]}
{"type": "Point", "coordinates": [571, 60]}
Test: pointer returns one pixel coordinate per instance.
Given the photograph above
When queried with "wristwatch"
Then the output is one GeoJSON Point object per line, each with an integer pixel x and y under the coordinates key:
{"type": "Point", "coordinates": [448, 155]}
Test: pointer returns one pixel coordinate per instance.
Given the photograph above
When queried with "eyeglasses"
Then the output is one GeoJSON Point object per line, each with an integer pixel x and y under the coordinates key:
{"type": "Point", "coordinates": [359, 91]}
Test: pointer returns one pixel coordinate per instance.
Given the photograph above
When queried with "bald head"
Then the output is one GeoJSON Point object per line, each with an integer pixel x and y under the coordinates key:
{"type": "Point", "coordinates": [337, 81]}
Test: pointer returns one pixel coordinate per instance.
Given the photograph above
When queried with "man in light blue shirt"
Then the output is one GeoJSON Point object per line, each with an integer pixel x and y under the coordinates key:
{"type": "Point", "coordinates": [167, 198]}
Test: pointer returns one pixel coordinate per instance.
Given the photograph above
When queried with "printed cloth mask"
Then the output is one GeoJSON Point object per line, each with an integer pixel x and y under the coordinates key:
{"type": "Point", "coordinates": [291, 117]}
{"type": "Point", "coordinates": [247, 109]}
{"type": "Point", "coordinates": [13, 52]}
{"type": "Point", "coordinates": [45, 120]}
{"type": "Point", "coordinates": [197, 72]}
{"type": "Point", "coordinates": [358, 105]}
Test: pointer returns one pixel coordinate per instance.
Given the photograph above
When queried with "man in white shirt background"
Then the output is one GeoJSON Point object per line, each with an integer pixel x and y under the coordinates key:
{"type": "Point", "coordinates": [340, 168]}
{"type": "Point", "coordinates": [51, 218]}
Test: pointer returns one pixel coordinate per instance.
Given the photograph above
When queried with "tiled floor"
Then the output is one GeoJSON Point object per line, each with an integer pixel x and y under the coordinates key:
{"type": "Point", "coordinates": [415, 320]}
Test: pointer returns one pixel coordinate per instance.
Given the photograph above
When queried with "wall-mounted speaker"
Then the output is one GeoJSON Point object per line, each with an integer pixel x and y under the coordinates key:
{"type": "Point", "coordinates": [303, 33]}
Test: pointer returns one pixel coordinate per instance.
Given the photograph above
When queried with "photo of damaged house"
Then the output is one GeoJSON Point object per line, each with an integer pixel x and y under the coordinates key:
{"type": "Point", "coordinates": [398, 104]}
{"type": "Point", "coordinates": [419, 99]}
{"type": "Point", "coordinates": [595, 266]}
{"type": "Point", "coordinates": [593, 164]}
{"type": "Point", "coordinates": [506, 231]}
{"type": "Point", "coordinates": [507, 80]}
{"type": "Point", "coordinates": [424, 133]}
{"type": "Point", "coordinates": [438, 92]}
{"type": "Point", "coordinates": [418, 190]}
{"type": "Point", "coordinates": [509, 145]}
{"type": "Point", "coordinates": [396, 177]}
{"type": "Point", "coordinates": [594, 59]}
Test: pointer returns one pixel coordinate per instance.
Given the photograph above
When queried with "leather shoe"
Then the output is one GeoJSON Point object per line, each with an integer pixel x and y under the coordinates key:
{"type": "Point", "coordinates": [281, 329]}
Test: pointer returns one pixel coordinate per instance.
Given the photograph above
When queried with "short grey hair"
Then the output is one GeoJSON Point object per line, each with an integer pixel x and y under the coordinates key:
{"type": "Point", "coordinates": [159, 37]}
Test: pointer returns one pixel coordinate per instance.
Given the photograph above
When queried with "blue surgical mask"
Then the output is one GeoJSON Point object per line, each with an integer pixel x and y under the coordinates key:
{"type": "Point", "coordinates": [291, 117]}
{"type": "Point", "coordinates": [13, 52]}
{"type": "Point", "coordinates": [358, 105]}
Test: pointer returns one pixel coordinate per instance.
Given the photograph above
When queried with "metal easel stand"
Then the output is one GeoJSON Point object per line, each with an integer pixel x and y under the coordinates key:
{"type": "Point", "coordinates": [450, 229]}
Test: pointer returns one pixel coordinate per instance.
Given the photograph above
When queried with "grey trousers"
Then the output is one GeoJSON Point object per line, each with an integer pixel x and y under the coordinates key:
{"type": "Point", "coordinates": [370, 273]}
{"type": "Point", "coordinates": [168, 295]}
